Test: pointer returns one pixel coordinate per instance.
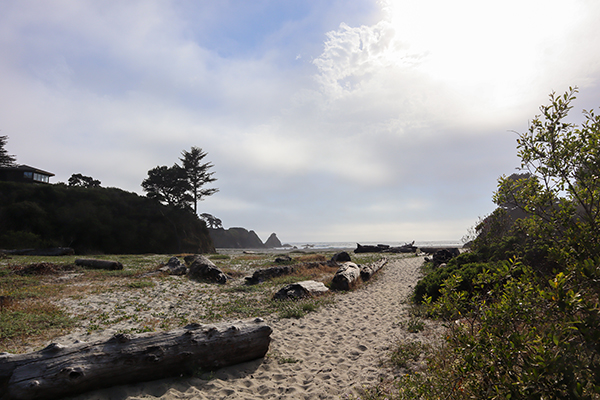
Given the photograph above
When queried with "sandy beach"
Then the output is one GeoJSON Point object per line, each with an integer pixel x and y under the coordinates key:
{"type": "Point", "coordinates": [324, 355]}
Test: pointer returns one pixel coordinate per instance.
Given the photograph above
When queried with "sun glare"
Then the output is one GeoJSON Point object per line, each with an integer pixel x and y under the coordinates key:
{"type": "Point", "coordinates": [470, 45]}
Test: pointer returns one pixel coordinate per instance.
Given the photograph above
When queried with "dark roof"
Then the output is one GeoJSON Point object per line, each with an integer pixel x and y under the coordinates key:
{"type": "Point", "coordinates": [24, 168]}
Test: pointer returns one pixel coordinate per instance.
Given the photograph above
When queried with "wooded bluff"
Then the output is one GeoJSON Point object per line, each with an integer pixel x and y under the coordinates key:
{"type": "Point", "coordinates": [96, 220]}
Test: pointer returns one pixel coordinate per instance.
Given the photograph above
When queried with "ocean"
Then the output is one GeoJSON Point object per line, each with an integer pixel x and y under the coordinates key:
{"type": "Point", "coordinates": [352, 245]}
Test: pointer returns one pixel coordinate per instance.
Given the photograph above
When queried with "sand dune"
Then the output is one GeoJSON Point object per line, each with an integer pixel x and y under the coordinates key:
{"type": "Point", "coordinates": [324, 355]}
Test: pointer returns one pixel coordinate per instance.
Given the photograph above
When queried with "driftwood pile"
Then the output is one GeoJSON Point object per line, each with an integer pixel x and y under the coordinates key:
{"type": "Point", "coordinates": [58, 371]}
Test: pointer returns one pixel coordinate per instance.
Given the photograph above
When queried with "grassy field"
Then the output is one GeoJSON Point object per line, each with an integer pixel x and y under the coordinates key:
{"type": "Point", "coordinates": [45, 297]}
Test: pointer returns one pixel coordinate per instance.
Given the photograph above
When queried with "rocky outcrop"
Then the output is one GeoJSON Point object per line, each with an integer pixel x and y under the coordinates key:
{"type": "Point", "coordinates": [272, 242]}
{"type": "Point", "coordinates": [241, 238]}
{"type": "Point", "coordinates": [236, 238]}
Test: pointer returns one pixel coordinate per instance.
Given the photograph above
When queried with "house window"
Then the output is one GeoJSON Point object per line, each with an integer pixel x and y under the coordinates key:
{"type": "Point", "coordinates": [28, 175]}
{"type": "Point", "coordinates": [41, 178]}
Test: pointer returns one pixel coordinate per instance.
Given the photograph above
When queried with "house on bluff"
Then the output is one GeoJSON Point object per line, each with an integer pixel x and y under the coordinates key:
{"type": "Point", "coordinates": [25, 173]}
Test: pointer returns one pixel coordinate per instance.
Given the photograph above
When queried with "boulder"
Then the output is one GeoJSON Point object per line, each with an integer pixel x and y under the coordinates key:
{"type": "Point", "coordinates": [342, 256]}
{"type": "Point", "coordinates": [346, 276]}
{"type": "Point", "coordinates": [300, 290]}
{"type": "Point", "coordinates": [201, 268]}
{"type": "Point", "coordinates": [272, 242]}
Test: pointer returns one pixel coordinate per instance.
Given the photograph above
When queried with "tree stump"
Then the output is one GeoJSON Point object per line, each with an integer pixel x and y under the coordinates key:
{"type": "Point", "coordinates": [58, 371]}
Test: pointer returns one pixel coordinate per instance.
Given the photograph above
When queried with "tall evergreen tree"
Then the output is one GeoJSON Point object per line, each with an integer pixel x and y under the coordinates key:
{"type": "Point", "coordinates": [197, 174]}
{"type": "Point", "coordinates": [6, 160]}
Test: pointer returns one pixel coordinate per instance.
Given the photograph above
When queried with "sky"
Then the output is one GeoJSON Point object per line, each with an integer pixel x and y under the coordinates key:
{"type": "Point", "coordinates": [347, 121]}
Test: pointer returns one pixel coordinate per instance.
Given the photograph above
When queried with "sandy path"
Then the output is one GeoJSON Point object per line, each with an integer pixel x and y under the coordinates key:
{"type": "Point", "coordinates": [321, 356]}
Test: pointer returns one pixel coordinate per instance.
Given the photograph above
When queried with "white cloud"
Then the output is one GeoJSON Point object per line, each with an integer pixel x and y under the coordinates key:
{"type": "Point", "coordinates": [397, 126]}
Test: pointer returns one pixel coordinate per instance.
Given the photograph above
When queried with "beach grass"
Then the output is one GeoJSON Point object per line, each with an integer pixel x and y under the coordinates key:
{"type": "Point", "coordinates": [44, 297]}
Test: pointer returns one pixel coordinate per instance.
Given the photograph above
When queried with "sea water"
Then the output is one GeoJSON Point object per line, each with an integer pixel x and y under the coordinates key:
{"type": "Point", "coordinates": [352, 245]}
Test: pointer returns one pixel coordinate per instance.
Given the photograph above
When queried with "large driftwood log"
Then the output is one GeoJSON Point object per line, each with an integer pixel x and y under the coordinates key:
{"type": "Point", "coordinates": [98, 264]}
{"type": "Point", "coordinates": [367, 271]}
{"type": "Point", "coordinates": [300, 290]}
{"type": "Point", "coordinates": [58, 371]}
{"type": "Point", "coordinates": [346, 277]}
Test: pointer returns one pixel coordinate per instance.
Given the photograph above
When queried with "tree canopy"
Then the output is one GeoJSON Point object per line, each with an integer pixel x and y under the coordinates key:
{"type": "Point", "coordinates": [561, 188]}
{"type": "Point", "coordinates": [198, 174]}
{"type": "Point", "coordinates": [181, 186]}
{"type": "Point", "coordinates": [83, 181]}
{"type": "Point", "coordinates": [6, 160]}
{"type": "Point", "coordinates": [168, 185]}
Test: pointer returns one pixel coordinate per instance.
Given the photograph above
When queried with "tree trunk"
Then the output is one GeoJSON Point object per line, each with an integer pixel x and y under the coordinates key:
{"type": "Point", "coordinates": [98, 264]}
{"type": "Point", "coordinates": [58, 371]}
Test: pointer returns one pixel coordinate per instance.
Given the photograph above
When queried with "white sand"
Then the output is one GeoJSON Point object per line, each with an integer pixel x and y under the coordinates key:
{"type": "Point", "coordinates": [336, 349]}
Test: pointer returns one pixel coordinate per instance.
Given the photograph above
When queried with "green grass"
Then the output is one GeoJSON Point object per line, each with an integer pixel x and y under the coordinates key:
{"type": "Point", "coordinates": [34, 315]}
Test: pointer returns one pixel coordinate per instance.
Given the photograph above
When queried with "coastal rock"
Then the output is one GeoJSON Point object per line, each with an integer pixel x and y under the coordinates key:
{"type": "Point", "coordinates": [236, 238]}
{"type": "Point", "coordinates": [300, 290]}
{"type": "Point", "coordinates": [272, 241]}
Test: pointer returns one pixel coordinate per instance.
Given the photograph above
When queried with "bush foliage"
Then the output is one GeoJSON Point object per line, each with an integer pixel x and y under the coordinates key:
{"type": "Point", "coordinates": [524, 304]}
{"type": "Point", "coordinates": [95, 220]}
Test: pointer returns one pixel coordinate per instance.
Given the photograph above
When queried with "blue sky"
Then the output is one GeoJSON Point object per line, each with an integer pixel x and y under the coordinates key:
{"type": "Point", "coordinates": [325, 121]}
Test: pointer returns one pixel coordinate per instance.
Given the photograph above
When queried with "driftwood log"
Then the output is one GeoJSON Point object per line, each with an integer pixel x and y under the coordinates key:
{"type": "Point", "coordinates": [98, 264]}
{"type": "Point", "coordinates": [56, 251]}
{"type": "Point", "coordinates": [201, 268]}
{"type": "Point", "coordinates": [301, 290]}
{"type": "Point", "coordinates": [346, 277]}
{"type": "Point", "coordinates": [262, 275]}
{"type": "Point", "coordinates": [367, 271]}
{"type": "Point", "coordinates": [58, 371]}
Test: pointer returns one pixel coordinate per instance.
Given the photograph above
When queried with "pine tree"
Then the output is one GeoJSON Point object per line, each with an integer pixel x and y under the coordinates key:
{"type": "Point", "coordinates": [6, 160]}
{"type": "Point", "coordinates": [197, 174]}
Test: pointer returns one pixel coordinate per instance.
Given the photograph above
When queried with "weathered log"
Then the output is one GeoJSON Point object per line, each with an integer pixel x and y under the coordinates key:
{"type": "Point", "coordinates": [341, 256]}
{"type": "Point", "coordinates": [346, 277]}
{"type": "Point", "coordinates": [262, 275]}
{"type": "Point", "coordinates": [201, 268]}
{"type": "Point", "coordinates": [370, 249]}
{"type": "Point", "coordinates": [98, 264]}
{"type": "Point", "coordinates": [58, 371]}
{"type": "Point", "coordinates": [367, 271]}
{"type": "Point", "coordinates": [432, 250]}
{"type": "Point", "coordinates": [56, 251]}
{"type": "Point", "coordinates": [300, 290]}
